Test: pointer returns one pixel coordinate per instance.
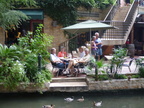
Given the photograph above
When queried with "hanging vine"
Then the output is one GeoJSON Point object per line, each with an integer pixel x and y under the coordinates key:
{"type": "Point", "coordinates": [65, 11]}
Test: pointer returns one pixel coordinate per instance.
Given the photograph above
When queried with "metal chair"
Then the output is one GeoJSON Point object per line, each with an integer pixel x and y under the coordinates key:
{"type": "Point", "coordinates": [59, 69]}
{"type": "Point", "coordinates": [128, 65]}
{"type": "Point", "coordinates": [81, 67]}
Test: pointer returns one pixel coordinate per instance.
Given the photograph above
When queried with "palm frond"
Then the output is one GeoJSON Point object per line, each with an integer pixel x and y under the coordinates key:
{"type": "Point", "coordinates": [12, 17]}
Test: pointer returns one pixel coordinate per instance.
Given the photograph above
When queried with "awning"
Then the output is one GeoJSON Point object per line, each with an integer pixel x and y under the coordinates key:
{"type": "Point", "coordinates": [35, 14]}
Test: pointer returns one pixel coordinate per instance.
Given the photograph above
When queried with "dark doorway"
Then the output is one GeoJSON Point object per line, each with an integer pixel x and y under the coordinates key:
{"type": "Point", "coordinates": [12, 35]}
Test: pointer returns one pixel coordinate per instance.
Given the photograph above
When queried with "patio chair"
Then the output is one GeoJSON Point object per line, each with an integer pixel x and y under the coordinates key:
{"type": "Point", "coordinates": [81, 67]}
{"type": "Point", "coordinates": [59, 69]}
{"type": "Point", "coordinates": [128, 65]}
{"type": "Point", "coordinates": [74, 54]}
{"type": "Point", "coordinates": [139, 63]}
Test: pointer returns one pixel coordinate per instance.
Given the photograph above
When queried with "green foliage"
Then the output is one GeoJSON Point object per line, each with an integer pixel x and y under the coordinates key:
{"type": "Point", "coordinates": [103, 77]}
{"type": "Point", "coordinates": [12, 73]}
{"type": "Point", "coordinates": [19, 63]}
{"type": "Point", "coordinates": [141, 72]}
{"type": "Point", "coordinates": [136, 76]}
{"type": "Point", "coordinates": [23, 3]}
{"type": "Point", "coordinates": [42, 77]}
{"type": "Point", "coordinates": [118, 59]}
{"type": "Point", "coordinates": [102, 4]}
{"type": "Point", "coordinates": [9, 17]}
{"type": "Point", "coordinates": [12, 52]}
{"type": "Point", "coordinates": [120, 76]}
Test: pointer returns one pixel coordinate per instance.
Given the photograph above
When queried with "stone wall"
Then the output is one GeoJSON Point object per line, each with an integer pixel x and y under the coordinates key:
{"type": "Point", "coordinates": [52, 28]}
{"type": "Point", "coordinates": [109, 85]}
{"type": "Point", "coordinates": [121, 84]}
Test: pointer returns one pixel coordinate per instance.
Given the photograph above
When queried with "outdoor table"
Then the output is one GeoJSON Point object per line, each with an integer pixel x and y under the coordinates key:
{"type": "Point", "coordinates": [108, 57]}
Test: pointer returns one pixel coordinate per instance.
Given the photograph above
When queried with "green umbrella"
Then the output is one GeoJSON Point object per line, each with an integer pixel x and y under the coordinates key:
{"type": "Point", "coordinates": [87, 26]}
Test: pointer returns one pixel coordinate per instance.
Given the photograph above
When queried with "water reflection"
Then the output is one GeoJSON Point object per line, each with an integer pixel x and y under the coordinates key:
{"type": "Point", "coordinates": [126, 100]}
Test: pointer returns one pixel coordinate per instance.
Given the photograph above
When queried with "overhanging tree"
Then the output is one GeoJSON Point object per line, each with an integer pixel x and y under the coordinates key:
{"type": "Point", "coordinates": [10, 17]}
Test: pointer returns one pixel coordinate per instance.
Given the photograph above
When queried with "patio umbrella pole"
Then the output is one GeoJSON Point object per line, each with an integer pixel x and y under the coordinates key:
{"type": "Point", "coordinates": [90, 40]}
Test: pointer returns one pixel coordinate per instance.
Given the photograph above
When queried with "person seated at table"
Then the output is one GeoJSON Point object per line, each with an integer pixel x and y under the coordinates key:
{"type": "Point", "coordinates": [81, 52]}
{"type": "Point", "coordinates": [55, 60]}
{"type": "Point", "coordinates": [62, 53]}
{"type": "Point", "coordinates": [73, 62]}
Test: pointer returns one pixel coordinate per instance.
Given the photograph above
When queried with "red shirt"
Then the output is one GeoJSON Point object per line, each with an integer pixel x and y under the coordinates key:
{"type": "Point", "coordinates": [62, 54]}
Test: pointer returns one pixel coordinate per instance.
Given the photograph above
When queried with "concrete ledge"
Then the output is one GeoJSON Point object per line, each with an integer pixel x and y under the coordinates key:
{"type": "Point", "coordinates": [118, 84]}
{"type": "Point", "coordinates": [30, 88]}
{"type": "Point", "coordinates": [88, 85]}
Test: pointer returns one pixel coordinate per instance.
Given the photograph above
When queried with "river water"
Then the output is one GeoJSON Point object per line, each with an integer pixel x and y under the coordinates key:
{"type": "Point", "coordinates": [126, 99]}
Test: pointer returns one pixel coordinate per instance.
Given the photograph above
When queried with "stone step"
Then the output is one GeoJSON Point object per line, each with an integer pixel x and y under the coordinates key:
{"type": "Point", "coordinates": [121, 13]}
{"type": "Point", "coordinates": [69, 79]}
{"type": "Point", "coordinates": [68, 86]}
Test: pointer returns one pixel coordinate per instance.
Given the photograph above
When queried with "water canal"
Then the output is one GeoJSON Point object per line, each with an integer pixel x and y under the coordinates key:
{"type": "Point", "coordinates": [126, 99]}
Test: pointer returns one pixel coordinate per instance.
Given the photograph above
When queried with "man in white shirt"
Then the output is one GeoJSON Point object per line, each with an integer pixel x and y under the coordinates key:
{"type": "Point", "coordinates": [56, 60]}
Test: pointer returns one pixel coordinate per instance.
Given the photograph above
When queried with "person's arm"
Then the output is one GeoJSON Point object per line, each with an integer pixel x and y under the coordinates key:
{"type": "Point", "coordinates": [99, 42]}
{"type": "Point", "coordinates": [84, 59]}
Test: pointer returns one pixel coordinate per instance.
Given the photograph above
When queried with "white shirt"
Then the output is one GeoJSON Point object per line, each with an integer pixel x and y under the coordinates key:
{"type": "Point", "coordinates": [53, 58]}
{"type": "Point", "coordinates": [81, 54]}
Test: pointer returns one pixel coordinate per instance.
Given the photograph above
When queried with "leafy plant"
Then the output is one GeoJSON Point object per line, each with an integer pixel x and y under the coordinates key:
{"type": "Point", "coordinates": [118, 59]}
{"type": "Point", "coordinates": [19, 63]}
{"type": "Point", "coordinates": [9, 17]}
{"type": "Point", "coordinates": [13, 73]}
{"type": "Point", "coordinates": [98, 65]}
{"type": "Point", "coordinates": [103, 77]}
{"type": "Point", "coordinates": [141, 72]}
{"type": "Point", "coordinates": [136, 76]}
{"type": "Point", "coordinates": [102, 4]}
{"type": "Point", "coordinates": [120, 76]}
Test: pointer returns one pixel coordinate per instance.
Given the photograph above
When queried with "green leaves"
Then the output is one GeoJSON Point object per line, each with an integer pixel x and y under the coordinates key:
{"type": "Point", "coordinates": [12, 17]}
{"type": "Point", "coordinates": [19, 63]}
{"type": "Point", "coordinates": [13, 73]}
{"type": "Point", "coordinates": [65, 11]}
{"type": "Point", "coordinates": [118, 59]}
{"type": "Point", "coordinates": [9, 17]}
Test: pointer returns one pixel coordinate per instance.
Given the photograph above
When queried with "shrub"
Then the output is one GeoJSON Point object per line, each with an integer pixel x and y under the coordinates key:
{"type": "Point", "coordinates": [19, 63]}
{"type": "Point", "coordinates": [141, 72]}
{"type": "Point", "coordinates": [103, 77]}
{"type": "Point", "coordinates": [135, 76]}
{"type": "Point", "coordinates": [120, 76]}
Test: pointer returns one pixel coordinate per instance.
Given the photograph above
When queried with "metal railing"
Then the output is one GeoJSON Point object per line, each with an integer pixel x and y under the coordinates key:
{"type": "Point", "coordinates": [112, 11]}
{"type": "Point", "coordinates": [123, 26]}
